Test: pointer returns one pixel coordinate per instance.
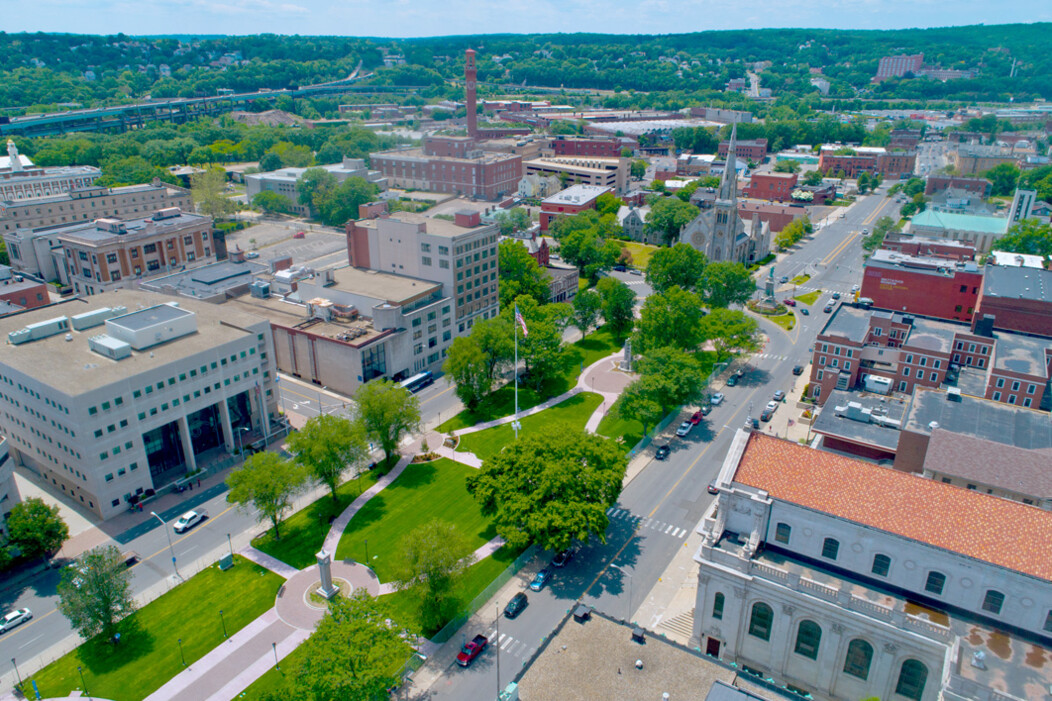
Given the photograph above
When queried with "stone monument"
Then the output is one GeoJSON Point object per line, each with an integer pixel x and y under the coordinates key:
{"type": "Point", "coordinates": [626, 363]}
{"type": "Point", "coordinates": [328, 589]}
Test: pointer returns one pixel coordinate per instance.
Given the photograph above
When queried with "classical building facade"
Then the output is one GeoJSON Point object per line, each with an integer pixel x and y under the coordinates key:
{"type": "Point", "coordinates": [19, 181]}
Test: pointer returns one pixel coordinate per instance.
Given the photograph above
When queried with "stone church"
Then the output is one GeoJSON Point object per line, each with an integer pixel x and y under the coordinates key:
{"type": "Point", "coordinates": [720, 232]}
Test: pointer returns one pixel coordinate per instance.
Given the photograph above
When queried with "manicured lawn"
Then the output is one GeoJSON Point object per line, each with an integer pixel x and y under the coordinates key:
{"type": "Point", "coordinates": [800, 279]}
{"type": "Point", "coordinates": [598, 344]}
{"type": "Point", "coordinates": [572, 413]}
{"type": "Point", "coordinates": [613, 426]}
{"type": "Point", "coordinates": [148, 654]}
{"type": "Point", "coordinates": [641, 253]}
{"type": "Point", "coordinates": [809, 297]}
{"type": "Point", "coordinates": [425, 491]}
{"type": "Point", "coordinates": [582, 284]}
{"type": "Point", "coordinates": [786, 321]}
{"type": "Point", "coordinates": [304, 532]}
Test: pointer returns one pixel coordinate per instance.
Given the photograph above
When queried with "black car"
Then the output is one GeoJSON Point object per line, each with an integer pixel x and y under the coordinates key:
{"type": "Point", "coordinates": [732, 381]}
{"type": "Point", "coordinates": [516, 605]}
{"type": "Point", "coordinates": [803, 310]}
{"type": "Point", "coordinates": [712, 488]}
{"type": "Point", "coordinates": [766, 415]}
{"type": "Point", "coordinates": [662, 452]}
{"type": "Point", "coordinates": [562, 558]}
{"type": "Point", "coordinates": [798, 369]}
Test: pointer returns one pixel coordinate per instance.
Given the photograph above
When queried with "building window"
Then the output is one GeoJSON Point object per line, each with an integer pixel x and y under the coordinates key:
{"type": "Point", "coordinates": [859, 657]}
{"type": "Point", "coordinates": [881, 565]}
{"type": "Point", "coordinates": [1031, 389]}
{"type": "Point", "coordinates": [997, 396]}
{"type": "Point", "coordinates": [993, 601]}
{"type": "Point", "coordinates": [808, 637]}
{"type": "Point", "coordinates": [761, 620]}
{"type": "Point", "coordinates": [1048, 622]}
{"type": "Point", "coordinates": [830, 548]}
{"type": "Point", "coordinates": [911, 680]}
{"type": "Point", "coordinates": [935, 583]}
{"type": "Point", "coordinates": [717, 606]}
{"type": "Point", "coordinates": [782, 532]}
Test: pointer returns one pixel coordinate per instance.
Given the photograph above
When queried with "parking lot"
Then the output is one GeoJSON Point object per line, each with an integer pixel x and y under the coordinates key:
{"type": "Point", "coordinates": [274, 239]}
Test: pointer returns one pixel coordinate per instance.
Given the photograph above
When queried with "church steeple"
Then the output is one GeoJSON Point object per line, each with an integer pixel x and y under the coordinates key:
{"type": "Point", "coordinates": [729, 182]}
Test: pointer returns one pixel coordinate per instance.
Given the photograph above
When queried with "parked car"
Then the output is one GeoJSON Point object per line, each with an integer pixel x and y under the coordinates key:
{"type": "Point", "coordinates": [732, 381]}
{"type": "Point", "coordinates": [798, 369]}
{"type": "Point", "coordinates": [740, 372]}
{"type": "Point", "coordinates": [14, 619]}
{"type": "Point", "coordinates": [712, 488]}
{"type": "Point", "coordinates": [766, 415]}
{"type": "Point", "coordinates": [663, 452]}
{"type": "Point", "coordinates": [779, 396]}
{"type": "Point", "coordinates": [842, 214]}
{"type": "Point", "coordinates": [705, 409]}
{"type": "Point", "coordinates": [540, 579]}
{"type": "Point", "coordinates": [472, 649]}
{"type": "Point", "coordinates": [621, 268]}
{"type": "Point", "coordinates": [252, 254]}
{"type": "Point", "coordinates": [772, 406]}
{"type": "Point", "coordinates": [561, 558]}
{"type": "Point", "coordinates": [828, 308]}
{"type": "Point", "coordinates": [684, 429]}
{"type": "Point", "coordinates": [635, 271]}
{"type": "Point", "coordinates": [789, 302]}
{"type": "Point", "coordinates": [516, 605]}
{"type": "Point", "coordinates": [717, 399]}
{"type": "Point", "coordinates": [300, 235]}
{"type": "Point", "coordinates": [189, 520]}
{"type": "Point", "coordinates": [854, 288]}
{"type": "Point", "coordinates": [803, 310]}
{"type": "Point", "coordinates": [751, 423]}
{"type": "Point", "coordinates": [696, 417]}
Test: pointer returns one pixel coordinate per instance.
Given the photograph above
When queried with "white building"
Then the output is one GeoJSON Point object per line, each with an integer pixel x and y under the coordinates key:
{"type": "Point", "coordinates": [536, 186]}
{"type": "Point", "coordinates": [19, 181]}
{"type": "Point", "coordinates": [127, 391]}
{"type": "Point", "coordinates": [845, 580]}
{"type": "Point", "coordinates": [283, 180]}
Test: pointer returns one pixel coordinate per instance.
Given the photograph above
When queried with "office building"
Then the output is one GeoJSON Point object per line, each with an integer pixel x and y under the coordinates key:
{"type": "Point", "coordinates": [854, 160]}
{"type": "Point", "coordinates": [487, 175]}
{"type": "Point", "coordinates": [924, 285]}
{"type": "Point", "coordinates": [283, 181]}
{"type": "Point", "coordinates": [21, 180]}
{"type": "Point", "coordinates": [582, 170]}
{"type": "Point", "coordinates": [898, 66]}
{"type": "Point", "coordinates": [573, 200]}
{"type": "Point", "coordinates": [127, 391]}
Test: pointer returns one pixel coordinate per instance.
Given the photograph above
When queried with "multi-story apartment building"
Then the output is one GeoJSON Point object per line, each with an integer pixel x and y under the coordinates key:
{"type": "Point", "coordinates": [21, 181]}
{"type": "Point", "coordinates": [109, 253]}
{"type": "Point", "coordinates": [907, 352]}
{"type": "Point", "coordinates": [845, 580]}
{"type": "Point", "coordinates": [754, 150]}
{"type": "Point", "coordinates": [110, 396]}
{"type": "Point", "coordinates": [866, 159]}
{"type": "Point", "coordinates": [28, 226]}
{"type": "Point", "coordinates": [459, 255]}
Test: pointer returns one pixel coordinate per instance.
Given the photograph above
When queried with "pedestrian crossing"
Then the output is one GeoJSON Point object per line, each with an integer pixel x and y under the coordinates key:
{"type": "Point", "coordinates": [635, 282]}
{"type": "Point", "coordinates": [511, 646]}
{"type": "Point", "coordinates": [662, 527]}
{"type": "Point", "coordinates": [771, 356]}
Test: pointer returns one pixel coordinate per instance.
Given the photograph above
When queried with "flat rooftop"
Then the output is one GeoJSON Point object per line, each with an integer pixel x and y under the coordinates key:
{"type": "Point", "coordinates": [931, 335]}
{"type": "Point", "coordinates": [596, 660]}
{"type": "Point", "coordinates": [394, 289]}
{"type": "Point", "coordinates": [576, 194]}
{"type": "Point", "coordinates": [434, 227]}
{"type": "Point", "coordinates": [933, 265]}
{"type": "Point", "coordinates": [1019, 353]}
{"type": "Point", "coordinates": [1018, 283]}
{"type": "Point", "coordinates": [207, 280]}
{"type": "Point", "coordinates": [848, 322]}
{"type": "Point", "coordinates": [860, 429]}
{"type": "Point", "coordinates": [70, 366]}
{"type": "Point", "coordinates": [93, 234]}
{"type": "Point", "coordinates": [980, 418]}
{"type": "Point", "coordinates": [289, 314]}
{"type": "Point", "coordinates": [418, 153]}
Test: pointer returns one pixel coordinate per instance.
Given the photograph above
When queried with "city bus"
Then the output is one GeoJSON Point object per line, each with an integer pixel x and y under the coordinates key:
{"type": "Point", "coordinates": [418, 382]}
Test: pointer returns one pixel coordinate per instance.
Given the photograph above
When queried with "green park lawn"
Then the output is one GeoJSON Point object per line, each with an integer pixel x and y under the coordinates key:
{"type": "Point", "coordinates": [641, 253]}
{"type": "Point", "coordinates": [303, 533]}
{"type": "Point", "coordinates": [148, 654]}
{"type": "Point", "coordinates": [422, 493]}
{"type": "Point", "coordinates": [613, 426]}
{"type": "Point", "coordinates": [800, 279]}
{"type": "Point", "coordinates": [786, 321]}
{"type": "Point", "coordinates": [572, 413]}
{"type": "Point", "coordinates": [809, 298]}
{"type": "Point", "coordinates": [598, 344]}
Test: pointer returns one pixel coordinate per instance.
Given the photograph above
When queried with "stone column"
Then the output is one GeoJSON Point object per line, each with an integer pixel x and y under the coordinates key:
{"type": "Point", "coordinates": [228, 430]}
{"type": "Point", "coordinates": [188, 444]}
{"type": "Point", "coordinates": [328, 589]}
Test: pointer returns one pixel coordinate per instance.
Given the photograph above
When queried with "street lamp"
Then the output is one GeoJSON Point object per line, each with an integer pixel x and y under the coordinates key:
{"type": "Point", "coordinates": [366, 552]}
{"type": "Point", "coordinates": [16, 671]}
{"type": "Point", "coordinates": [181, 656]}
{"type": "Point", "coordinates": [240, 442]}
{"type": "Point", "coordinates": [628, 607]}
{"type": "Point", "coordinates": [497, 645]}
{"type": "Point", "coordinates": [164, 525]}
{"type": "Point", "coordinates": [277, 663]}
{"type": "Point", "coordinates": [83, 683]}
{"type": "Point", "coordinates": [222, 622]}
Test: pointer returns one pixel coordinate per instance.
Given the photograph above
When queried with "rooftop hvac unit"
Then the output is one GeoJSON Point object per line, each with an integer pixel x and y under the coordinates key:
{"type": "Point", "coordinates": [259, 289]}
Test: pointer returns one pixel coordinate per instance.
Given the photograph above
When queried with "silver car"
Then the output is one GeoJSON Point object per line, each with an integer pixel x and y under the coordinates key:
{"type": "Point", "coordinates": [14, 619]}
{"type": "Point", "coordinates": [189, 520]}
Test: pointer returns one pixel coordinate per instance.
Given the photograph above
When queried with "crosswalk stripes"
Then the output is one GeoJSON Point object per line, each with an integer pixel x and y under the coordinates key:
{"type": "Point", "coordinates": [511, 646]}
{"type": "Point", "coordinates": [661, 527]}
{"type": "Point", "coordinates": [772, 356]}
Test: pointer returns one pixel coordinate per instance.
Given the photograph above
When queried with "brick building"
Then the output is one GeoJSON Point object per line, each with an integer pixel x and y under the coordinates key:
{"type": "Point", "coordinates": [924, 285]}
{"type": "Point", "coordinates": [771, 186]}
{"type": "Point", "coordinates": [1019, 299]}
{"type": "Point", "coordinates": [937, 183]}
{"type": "Point", "coordinates": [751, 150]}
{"type": "Point", "coordinates": [935, 248]}
{"type": "Point", "coordinates": [776, 216]}
{"type": "Point", "coordinates": [866, 159]}
{"type": "Point", "coordinates": [573, 146]}
{"type": "Point", "coordinates": [898, 66]}
{"type": "Point", "coordinates": [483, 174]}
{"type": "Point", "coordinates": [905, 139]}
{"type": "Point", "coordinates": [570, 201]}
{"type": "Point", "coordinates": [26, 294]}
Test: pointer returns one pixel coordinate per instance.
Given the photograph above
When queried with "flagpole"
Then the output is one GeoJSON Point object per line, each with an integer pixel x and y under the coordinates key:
{"type": "Point", "coordinates": [515, 419]}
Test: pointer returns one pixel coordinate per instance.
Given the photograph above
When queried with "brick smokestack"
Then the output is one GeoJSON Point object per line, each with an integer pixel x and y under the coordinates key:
{"type": "Point", "coordinates": [469, 92]}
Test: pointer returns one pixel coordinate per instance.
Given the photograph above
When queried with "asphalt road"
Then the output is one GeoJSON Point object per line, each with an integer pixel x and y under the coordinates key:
{"type": "Point", "coordinates": [658, 508]}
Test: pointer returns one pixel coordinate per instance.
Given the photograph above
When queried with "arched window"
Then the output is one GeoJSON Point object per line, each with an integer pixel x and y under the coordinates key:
{"type": "Point", "coordinates": [993, 601]}
{"type": "Point", "coordinates": [808, 636]}
{"type": "Point", "coordinates": [830, 548]}
{"type": "Point", "coordinates": [911, 680]}
{"type": "Point", "coordinates": [717, 606]}
{"type": "Point", "coordinates": [782, 532]}
{"type": "Point", "coordinates": [881, 565]}
{"type": "Point", "coordinates": [859, 657]}
{"type": "Point", "coordinates": [761, 621]}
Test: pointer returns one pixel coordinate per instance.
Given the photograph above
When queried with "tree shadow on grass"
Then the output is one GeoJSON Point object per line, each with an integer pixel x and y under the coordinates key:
{"type": "Point", "coordinates": [102, 656]}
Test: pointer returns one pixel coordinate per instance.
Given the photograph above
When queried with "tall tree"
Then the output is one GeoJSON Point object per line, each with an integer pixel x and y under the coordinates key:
{"type": "Point", "coordinates": [337, 205]}
{"type": "Point", "coordinates": [1028, 236]}
{"type": "Point", "coordinates": [638, 402]}
{"type": "Point", "coordinates": [541, 348]}
{"type": "Point", "coordinates": [36, 528]}
{"type": "Point", "coordinates": [669, 215]}
{"type": "Point", "coordinates": [388, 411]}
{"type": "Point", "coordinates": [268, 483]}
{"type": "Point", "coordinates": [520, 274]}
{"type": "Point", "coordinates": [618, 305]}
{"type": "Point", "coordinates": [494, 337]}
{"type": "Point", "coordinates": [314, 185]}
{"type": "Point", "coordinates": [208, 190]}
{"type": "Point", "coordinates": [731, 329]}
{"type": "Point", "coordinates": [587, 307]}
{"type": "Point", "coordinates": [467, 365]}
{"type": "Point", "coordinates": [551, 488]}
{"type": "Point", "coordinates": [354, 653]}
{"type": "Point", "coordinates": [432, 559]}
{"type": "Point", "coordinates": [272, 202]}
{"type": "Point", "coordinates": [679, 375]}
{"type": "Point", "coordinates": [608, 203]}
{"type": "Point", "coordinates": [1004, 178]}
{"type": "Point", "coordinates": [96, 594]}
{"type": "Point", "coordinates": [327, 446]}
{"type": "Point", "coordinates": [726, 283]}
{"type": "Point", "coordinates": [669, 319]}
{"type": "Point", "coordinates": [681, 265]}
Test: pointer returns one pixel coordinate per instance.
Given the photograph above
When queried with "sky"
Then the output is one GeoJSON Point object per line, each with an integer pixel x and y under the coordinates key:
{"type": "Point", "coordinates": [418, 18]}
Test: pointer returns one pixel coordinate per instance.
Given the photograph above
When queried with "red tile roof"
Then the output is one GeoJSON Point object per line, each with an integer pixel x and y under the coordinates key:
{"type": "Point", "coordinates": [980, 526]}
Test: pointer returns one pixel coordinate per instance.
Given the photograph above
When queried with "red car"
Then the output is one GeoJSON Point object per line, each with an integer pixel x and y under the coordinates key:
{"type": "Point", "coordinates": [696, 418]}
{"type": "Point", "coordinates": [472, 649]}
{"type": "Point", "coordinates": [299, 235]}
{"type": "Point", "coordinates": [790, 302]}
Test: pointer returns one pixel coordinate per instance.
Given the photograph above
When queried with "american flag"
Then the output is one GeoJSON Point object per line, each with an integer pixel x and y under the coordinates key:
{"type": "Point", "coordinates": [521, 322]}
